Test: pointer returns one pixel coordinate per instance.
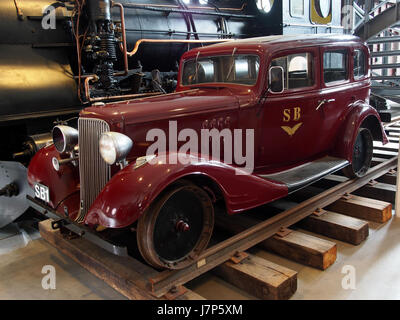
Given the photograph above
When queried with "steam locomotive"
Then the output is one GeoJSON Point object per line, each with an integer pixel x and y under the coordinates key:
{"type": "Point", "coordinates": [57, 57]}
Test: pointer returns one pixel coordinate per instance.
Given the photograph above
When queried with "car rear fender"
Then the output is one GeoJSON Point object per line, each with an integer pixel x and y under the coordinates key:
{"type": "Point", "coordinates": [360, 115]}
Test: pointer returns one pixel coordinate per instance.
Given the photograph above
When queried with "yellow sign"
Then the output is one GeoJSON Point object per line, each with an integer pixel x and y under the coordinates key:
{"type": "Point", "coordinates": [321, 11]}
{"type": "Point", "coordinates": [291, 114]}
{"type": "Point", "coordinates": [291, 131]}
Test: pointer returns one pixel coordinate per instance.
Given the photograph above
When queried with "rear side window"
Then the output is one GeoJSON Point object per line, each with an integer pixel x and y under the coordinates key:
{"type": "Point", "coordinates": [298, 70]}
{"type": "Point", "coordinates": [335, 66]}
{"type": "Point", "coordinates": [360, 68]}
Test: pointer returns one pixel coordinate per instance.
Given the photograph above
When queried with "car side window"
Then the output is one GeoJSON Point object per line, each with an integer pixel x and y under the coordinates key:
{"type": "Point", "coordinates": [360, 69]}
{"type": "Point", "coordinates": [335, 66]}
{"type": "Point", "coordinates": [238, 69]}
{"type": "Point", "coordinates": [298, 70]}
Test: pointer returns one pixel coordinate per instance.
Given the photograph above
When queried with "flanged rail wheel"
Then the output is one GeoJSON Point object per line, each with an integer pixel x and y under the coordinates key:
{"type": "Point", "coordinates": [176, 227]}
{"type": "Point", "coordinates": [362, 155]}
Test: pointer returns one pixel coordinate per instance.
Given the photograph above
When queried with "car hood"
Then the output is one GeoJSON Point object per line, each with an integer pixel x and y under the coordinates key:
{"type": "Point", "coordinates": [163, 106]}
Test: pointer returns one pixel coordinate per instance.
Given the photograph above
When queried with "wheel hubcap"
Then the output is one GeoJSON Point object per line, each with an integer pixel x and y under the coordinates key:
{"type": "Point", "coordinates": [182, 226]}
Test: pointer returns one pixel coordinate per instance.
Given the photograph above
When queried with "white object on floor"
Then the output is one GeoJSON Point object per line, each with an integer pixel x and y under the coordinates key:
{"type": "Point", "coordinates": [13, 237]}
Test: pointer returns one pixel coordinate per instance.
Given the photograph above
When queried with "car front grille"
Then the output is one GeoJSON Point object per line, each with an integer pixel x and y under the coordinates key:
{"type": "Point", "coordinates": [94, 172]}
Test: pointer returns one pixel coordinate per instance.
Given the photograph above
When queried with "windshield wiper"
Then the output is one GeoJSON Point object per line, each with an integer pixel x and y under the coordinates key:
{"type": "Point", "coordinates": [232, 64]}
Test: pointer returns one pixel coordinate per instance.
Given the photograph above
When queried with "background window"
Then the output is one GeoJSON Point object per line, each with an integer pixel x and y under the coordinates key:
{"type": "Point", "coordinates": [360, 69]}
{"type": "Point", "coordinates": [297, 8]}
{"type": "Point", "coordinates": [335, 66]}
{"type": "Point", "coordinates": [265, 5]}
{"type": "Point", "coordinates": [298, 70]}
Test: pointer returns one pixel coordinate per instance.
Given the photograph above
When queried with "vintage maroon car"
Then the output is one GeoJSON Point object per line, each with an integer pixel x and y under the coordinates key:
{"type": "Point", "coordinates": [303, 100]}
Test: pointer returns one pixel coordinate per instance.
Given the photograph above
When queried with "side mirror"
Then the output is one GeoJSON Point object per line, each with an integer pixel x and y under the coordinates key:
{"type": "Point", "coordinates": [276, 79]}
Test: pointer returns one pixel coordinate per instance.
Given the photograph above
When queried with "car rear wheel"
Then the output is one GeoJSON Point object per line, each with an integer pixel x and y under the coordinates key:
{"type": "Point", "coordinates": [177, 227]}
{"type": "Point", "coordinates": [362, 155]}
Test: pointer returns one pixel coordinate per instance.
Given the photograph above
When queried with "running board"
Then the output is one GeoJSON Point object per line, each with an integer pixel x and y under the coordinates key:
{"type": "Point", "coordinates": [306, 174]}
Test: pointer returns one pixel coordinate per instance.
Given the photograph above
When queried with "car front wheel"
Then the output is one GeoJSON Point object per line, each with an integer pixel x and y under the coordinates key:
{"type": "Point", "coordinates": [177, 227]}
{"type": "Point", "coordinates": [362, 155]}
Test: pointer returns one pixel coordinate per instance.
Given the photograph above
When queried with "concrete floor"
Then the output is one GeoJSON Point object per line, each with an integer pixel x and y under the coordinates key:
{"type": "Point", "coordinates": [21, 274]}
{"type": "Point", "coordinates": [376, 262]}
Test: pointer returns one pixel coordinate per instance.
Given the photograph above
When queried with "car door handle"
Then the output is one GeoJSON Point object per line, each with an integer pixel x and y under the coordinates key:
{"type": "Point", "coordinates": [322, 102]}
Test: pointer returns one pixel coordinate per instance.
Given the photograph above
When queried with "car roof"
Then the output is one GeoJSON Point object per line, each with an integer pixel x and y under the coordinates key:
{"type": "Point", "coordinates": [275, 43]}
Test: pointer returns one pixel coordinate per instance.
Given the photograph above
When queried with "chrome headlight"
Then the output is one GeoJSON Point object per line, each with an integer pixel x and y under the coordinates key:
{"type": "Point", "coordinates": [114, 147]}
{"type": "Point", "coordinates": [65, 138]}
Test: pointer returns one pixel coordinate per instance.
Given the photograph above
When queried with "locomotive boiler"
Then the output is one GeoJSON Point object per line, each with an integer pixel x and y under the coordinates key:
{"type": "Point", "coordinates": [57, 57]}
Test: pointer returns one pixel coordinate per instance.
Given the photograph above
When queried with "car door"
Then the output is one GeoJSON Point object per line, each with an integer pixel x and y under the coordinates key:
{"type": "Point", "coordinates": [290, 126]}
{"type": "Point", "coordinates": [337, 91]}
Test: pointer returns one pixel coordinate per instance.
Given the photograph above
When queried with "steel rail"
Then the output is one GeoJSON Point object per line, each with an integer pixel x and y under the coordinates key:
{"type": "Point", "coordinates": [225, 250]}
{"type": "Point", "coordinates": [387, 125]}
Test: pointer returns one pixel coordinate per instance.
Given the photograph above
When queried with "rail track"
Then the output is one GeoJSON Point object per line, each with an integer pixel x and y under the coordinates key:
{"type": "Point", "coordinates": [314, 208]}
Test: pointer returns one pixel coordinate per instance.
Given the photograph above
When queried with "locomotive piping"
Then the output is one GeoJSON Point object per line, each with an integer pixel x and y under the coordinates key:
{"type": "Point", "coordinates": [189, 17]}
{"type": "Point", "coordinates": [186, 18]}
{"type": "Point", "coordinates": [78, 45]}
{"type": "Point", "coordinates": [98, 99]}
{"type": "Point", "coordinates": [124, 48]}
{"type": "Point", "coordinates": [187, 14]}
{"type": "Point", "coordinates": [192, 7]}
{"type": "Point", "coordinates": [177, 10]}
{"type": "Point", "coordinates": [139, 42]}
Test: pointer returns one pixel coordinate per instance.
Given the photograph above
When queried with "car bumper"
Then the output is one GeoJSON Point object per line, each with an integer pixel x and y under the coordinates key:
{"type": "Point", "coordinates": [80, 230]}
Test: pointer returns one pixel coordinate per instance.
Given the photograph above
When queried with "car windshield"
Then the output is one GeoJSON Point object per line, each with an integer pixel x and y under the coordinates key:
{"type": "Point", "coordinates": [239, 69]}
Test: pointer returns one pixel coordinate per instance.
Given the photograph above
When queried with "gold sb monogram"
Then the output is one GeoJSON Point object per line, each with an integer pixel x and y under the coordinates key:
{"type": "Point", "coordinates": [292, 115]}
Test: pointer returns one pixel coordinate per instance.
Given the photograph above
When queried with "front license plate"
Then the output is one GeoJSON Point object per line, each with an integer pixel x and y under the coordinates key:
{"type": "Point", "coordinates": [42, 192]}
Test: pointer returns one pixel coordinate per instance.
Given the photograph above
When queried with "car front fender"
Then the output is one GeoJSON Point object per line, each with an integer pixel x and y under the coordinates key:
{"type": "Point", "coordinates": [61, 183]}
{"type": "Point", "coordinates": [129, 193]}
